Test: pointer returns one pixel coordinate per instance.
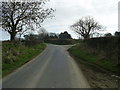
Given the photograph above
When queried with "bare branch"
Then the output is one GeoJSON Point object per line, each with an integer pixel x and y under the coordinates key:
{"type": "Point", "coordinates": [15, 15]}
{"type": "Point", "coordinates": [86, 27]}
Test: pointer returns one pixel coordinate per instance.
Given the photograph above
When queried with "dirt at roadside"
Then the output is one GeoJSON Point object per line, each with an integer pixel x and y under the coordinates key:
{"type": "Point", "coordinates": [98, 78]}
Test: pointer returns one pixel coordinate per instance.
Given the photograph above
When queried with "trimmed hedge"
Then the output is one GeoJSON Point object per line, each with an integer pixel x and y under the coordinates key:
{"type": "Point", "coordinates": [60, 41]}
{"type": "Point", "coordinates": [110, 46]}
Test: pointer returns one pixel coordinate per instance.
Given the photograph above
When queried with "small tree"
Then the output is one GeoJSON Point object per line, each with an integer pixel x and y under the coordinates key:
{"type": "Point", "coordinates": [17, 16]}
{"type": "Point", "coordinates": [65, 35]}
{"type": "Point", "coordinates": [86, 26]}
{"type": "Point", "coordinates": [117, 34]}
{"type": "Point", "coordinates": [108, 35]}
{"type": "Point", "coordinates": [42, 33]}
{"type": "Point", "coordinates": [31, 39]}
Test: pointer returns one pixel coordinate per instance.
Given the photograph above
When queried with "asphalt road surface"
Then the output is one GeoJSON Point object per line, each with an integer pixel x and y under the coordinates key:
{"type": "Point", "coordinates": [54, 68]}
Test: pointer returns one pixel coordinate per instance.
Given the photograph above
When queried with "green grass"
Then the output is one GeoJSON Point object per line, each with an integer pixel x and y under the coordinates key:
{"type": "Point", "coordinates": [79, 53]}
{"type": "Point", "coordinates": [15, 55]}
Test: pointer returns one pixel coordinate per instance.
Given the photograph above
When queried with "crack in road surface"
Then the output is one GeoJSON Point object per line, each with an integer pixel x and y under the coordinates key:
{"type": "Point", "coordinates": [54, 68]}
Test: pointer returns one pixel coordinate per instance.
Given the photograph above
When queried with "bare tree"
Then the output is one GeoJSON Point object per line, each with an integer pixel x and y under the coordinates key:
{"type": "Point", "coordinates": [17, 16]}
{"type": "Point", "coordinates": [86, 27]}
{"type": "Point", "coordinates": [42, 33]}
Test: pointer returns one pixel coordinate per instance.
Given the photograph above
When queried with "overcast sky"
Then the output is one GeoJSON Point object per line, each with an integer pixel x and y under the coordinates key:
{"type": "Point", "coordinates": [70, 11]}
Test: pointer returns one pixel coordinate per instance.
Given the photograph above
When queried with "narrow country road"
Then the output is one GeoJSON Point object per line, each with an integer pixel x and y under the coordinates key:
{"type": "Point", "coordinates": [54, 68]}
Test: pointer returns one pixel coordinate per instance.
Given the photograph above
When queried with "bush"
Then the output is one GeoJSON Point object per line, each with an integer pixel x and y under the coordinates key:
{"type": "Point", "coordinates": [30, 43]}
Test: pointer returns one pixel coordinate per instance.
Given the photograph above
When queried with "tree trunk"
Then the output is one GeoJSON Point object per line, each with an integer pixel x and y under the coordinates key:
{"type": "Point", "coordinates": [12, 36]}
{"type": "Point", "coordinates": [13, 33]}
{"type": "Point", "coordinates": [86, 36]}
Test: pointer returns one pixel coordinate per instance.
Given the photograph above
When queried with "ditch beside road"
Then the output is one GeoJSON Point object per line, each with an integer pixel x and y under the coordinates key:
{"type": "Point", "coordinates": [97, 76]}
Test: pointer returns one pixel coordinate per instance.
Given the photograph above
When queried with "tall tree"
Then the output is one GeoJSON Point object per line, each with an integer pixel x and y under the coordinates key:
{"type": "Point", "coordinates": [19, 16]}
{"type": "Point", "coordinates": [86, 26]}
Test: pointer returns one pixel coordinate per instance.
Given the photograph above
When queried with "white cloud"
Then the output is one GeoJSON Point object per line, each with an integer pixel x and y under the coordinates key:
{"type": "Point", "coordinates": [4, 35]}
{"type": "Point", "coordinates": [69, 11]}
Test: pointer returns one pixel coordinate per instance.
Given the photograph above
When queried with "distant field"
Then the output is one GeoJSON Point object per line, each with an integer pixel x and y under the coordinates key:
{"type": "Point", "coordinates": [15, 55]}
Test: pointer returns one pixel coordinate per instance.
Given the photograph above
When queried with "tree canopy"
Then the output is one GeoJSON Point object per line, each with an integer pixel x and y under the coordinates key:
{"type": "Point", "coordinates": [86, 27]}
{"type": "Point", "coordinates": [117, 33]}
{"type": "Point", "coordinates": [108, 35]}
{"type": "Point", "coordinates": [18, 17]}
{"type": "Point", "coordinates": [65, 35]}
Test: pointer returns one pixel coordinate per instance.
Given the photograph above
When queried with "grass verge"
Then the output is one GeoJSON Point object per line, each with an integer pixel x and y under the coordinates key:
{"type": "Point", "coordinates": [15, 55]}
{"type": "Point", "coordinates": [80, 54]}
